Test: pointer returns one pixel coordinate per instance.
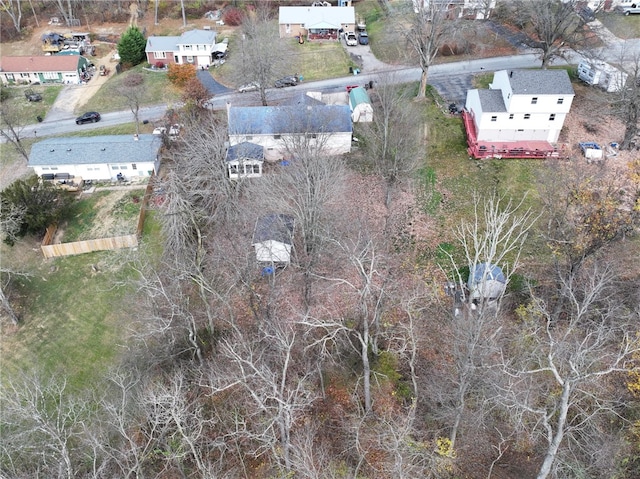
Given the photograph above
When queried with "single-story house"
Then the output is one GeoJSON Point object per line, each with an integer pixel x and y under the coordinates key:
{"type": "Point", "coordinates": [244, 160]}
{"type": "Point", "coordinates": [273, 239]}
{"type": "Point", "coordinates": [24, 70]}
{"type": "Point", "coordinates": [471, 9]}
{"type": "Point", "coordinates": [360, 104]}
{"type": "Point", "coordinates": [195, 46]}
{"type": "Point", "coordinates": [282, 129]}
{"type": "Point", "coordinates": [316, 23]}
{"type": "Point", "coordinates": [97, 158]}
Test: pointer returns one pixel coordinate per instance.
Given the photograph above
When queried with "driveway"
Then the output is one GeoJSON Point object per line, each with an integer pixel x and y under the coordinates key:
{"type": "Point", "coordinates": [210, 84]}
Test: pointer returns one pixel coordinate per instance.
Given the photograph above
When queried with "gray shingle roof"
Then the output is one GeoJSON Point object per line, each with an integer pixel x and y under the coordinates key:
{"type": "Point", "coordinates": [93, 150]}
{"type": "Point", "coordinates": [274, 227]}
{"type": "Point", "coordinates": [275, 120]}
{"type": "Point", "coordinates": [543, 82]}
{"type": "Point", "coordinates": [170, 43]}
{"type": "Point", "coordinates": [491, 101]}
{"type": "Point", "coordinates": [245, 150]}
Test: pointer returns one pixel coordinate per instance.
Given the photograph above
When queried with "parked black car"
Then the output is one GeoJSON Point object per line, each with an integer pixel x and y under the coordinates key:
{"type": "Point", "coordinates": [290, 80]}
{"type": "Point", "coordinates": [89, 117]}
{"type": "Point", "coordinates": [32, 96]}
{"type": "Point", "coordinates": [363, 38]}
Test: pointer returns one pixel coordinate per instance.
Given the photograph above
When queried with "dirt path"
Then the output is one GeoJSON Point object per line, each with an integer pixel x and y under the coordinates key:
{"type": "Point", "coordinates": [72, 97]}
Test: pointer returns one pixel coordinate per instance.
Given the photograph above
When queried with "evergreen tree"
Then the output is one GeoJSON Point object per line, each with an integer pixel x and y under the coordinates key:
{"type": "Point", "coordinates": [131, 47]}
{"type": "Point", "coordinates": [29, 206]}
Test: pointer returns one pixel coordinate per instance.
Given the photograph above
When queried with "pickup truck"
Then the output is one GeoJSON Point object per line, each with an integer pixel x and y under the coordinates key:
{"type": "Point", "coordinates": [351, 39]}
{"type": "Point", "coordinates": [629, 9]}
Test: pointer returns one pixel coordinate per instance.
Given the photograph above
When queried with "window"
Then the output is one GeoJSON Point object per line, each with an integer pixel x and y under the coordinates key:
{"type": "Point", "coordinates": [187, 47]}
{"type": "Point", "coordinates": [494, 118]}
{"type": "Point", "coordinates": [189, 59]}
{"type": "Point", "coordinates": [277, 137]}
{"type": "Point", "coordinates": [534, 100]}
{"type": "Point", "coordinates": [124, 167]}
{"type": "Point", "coordinates": [160, 55]}
{"type": "Point", "coordinates": [54, 167]}
{"type": "Point", "coordinates": [45, 168]}
{"type": "Point", "coordinates": [511, 116]}
{"type": "Point", "coordinates": [288, 28]}
{"type": "Point", "coordinates": [134, 166]}
{"type": "Point", "coordinates": [50, 75]}
{"type": "Point", "coordinates": [114, 167]}
{"type": "Point", "coordinates": [560, 101]}
{"type": "Point", "coordinates": [527, 116]}
{"type": "Point", "coordinates": [233, 169]}
{"type": "Point", "coordinates": [552, 117]}
{"type": "Point", "coordinates": [256, 169]}
{"type": "Point", "coordinates": [520, 130]}
{"type": "Point", "coordinates": [248, 138]}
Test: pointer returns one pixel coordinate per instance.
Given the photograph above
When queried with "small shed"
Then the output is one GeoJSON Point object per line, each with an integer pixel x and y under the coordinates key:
{"type": "Point", "coordinates": [273, 239]}
{"type": "Point", "coordinates": [244, 160]}
{"type": "Point", "coordinates": [486, 281]}
{"type": "Point", "coordinates": [360, 105]}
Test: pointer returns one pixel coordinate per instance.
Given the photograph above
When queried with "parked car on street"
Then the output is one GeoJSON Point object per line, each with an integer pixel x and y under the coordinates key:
{"type": "Point", "coordinates": [363, 38]}
{"type": "Point", "coordinates": [89, 117]}
{"type": "Point", "coordinates": [290, 80]}
{"type": "Point", "coordinates": [253, 86]}
{"type": "Point", "coordinates": [351, 39]}
{"type": "Point", "coordinates": [629, 9]}
{"type": "Point", "coordinates": [32, 95]}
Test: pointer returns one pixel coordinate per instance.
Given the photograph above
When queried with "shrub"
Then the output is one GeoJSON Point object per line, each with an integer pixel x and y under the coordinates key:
{"type": "Point", "coordinates": [159, 65]}
{"type": "Point", "coordinates": [179, 75]}
{"type": "Point", "coordinates": [233, 16]}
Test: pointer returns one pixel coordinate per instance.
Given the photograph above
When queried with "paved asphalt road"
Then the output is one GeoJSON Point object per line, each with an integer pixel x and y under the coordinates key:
{"type": "Point", "coordinates": [452, 80]}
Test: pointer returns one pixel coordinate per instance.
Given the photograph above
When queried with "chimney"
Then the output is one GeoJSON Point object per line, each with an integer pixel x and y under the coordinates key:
{"type": "Point", "coordinates": [228, 108]}
{"type": "Point", "coordinates": [511, 74]}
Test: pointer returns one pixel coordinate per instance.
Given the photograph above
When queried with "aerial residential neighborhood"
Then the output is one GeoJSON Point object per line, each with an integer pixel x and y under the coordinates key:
{"type": "Point", "coordinates": [337, 239]}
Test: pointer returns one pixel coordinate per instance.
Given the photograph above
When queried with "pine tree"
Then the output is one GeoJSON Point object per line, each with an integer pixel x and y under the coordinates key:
{"type": "Point", "coordinates": [131, 47]}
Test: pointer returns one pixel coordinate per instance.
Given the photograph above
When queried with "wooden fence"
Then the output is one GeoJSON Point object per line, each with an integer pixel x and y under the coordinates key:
{"type": "Point", "coordinates": [79, 247]}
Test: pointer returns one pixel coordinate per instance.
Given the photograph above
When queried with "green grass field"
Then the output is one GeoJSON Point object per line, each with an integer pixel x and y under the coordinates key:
{"type": "Point", "coordinates": [157, 90]}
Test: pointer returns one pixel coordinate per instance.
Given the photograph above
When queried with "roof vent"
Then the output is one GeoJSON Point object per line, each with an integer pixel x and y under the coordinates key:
{"type": "Point", "coordinates": [103, 149]}
{"type": "Point", "coordinates": [51, 150]}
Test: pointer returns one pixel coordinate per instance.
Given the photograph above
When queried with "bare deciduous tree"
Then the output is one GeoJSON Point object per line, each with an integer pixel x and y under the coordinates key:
{"type": "Point", "coordinates": [425, 35]}
{"type": "Point", "coordinates": [132, 89]}
{"type": "Point", "coordinates": [263, 55]}
{"type": "Point", "coordinates": [556, 369]}
{"type": "Point", "coordinates": [41, 421]}
{"type": "Point", "coordinates": [626, 104]}
{"type": "Point", "coordinates": [553, 27]}
{"type": "Point", "coordinates": [392, 138]}
{"type": "Point", "coordinates": [495, 236]}
{"type": "Point", "coordinates": [13, 8]}
{"type": "Point", "coordinates": [11, 128]}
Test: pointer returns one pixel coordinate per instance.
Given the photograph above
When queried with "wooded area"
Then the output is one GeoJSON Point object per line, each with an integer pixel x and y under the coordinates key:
{"type": "Point", "coordinates": [368, 355]}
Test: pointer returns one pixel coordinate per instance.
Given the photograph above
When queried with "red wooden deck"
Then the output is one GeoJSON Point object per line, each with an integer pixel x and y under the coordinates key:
{"type": "Point", "coordinates": [507, 149]}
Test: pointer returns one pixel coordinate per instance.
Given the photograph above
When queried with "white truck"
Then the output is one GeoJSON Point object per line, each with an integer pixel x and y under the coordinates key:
{"type": "Point", "coordinates": [351, 39]}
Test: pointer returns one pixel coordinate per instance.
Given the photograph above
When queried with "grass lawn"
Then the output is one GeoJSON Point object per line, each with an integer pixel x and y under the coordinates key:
{"type": "Point", "coordinates": [622, 26]}
{"type": "Point", "coordinates": [318, 61]}
{"type": "Point", "coordinates": [157, 90]}
{"type": "Point", "coordinates": [25, 112]}
{"type": "Point", "coordinates": [449, 178]}
{"type": "Point", "coordinates": [73, 310]}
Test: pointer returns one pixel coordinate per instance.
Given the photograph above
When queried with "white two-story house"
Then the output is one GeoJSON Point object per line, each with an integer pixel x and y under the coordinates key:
{"type": "Point", "coordinates": [195, 46]}
{"type": "Point", "coordinates": [521, 105]}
